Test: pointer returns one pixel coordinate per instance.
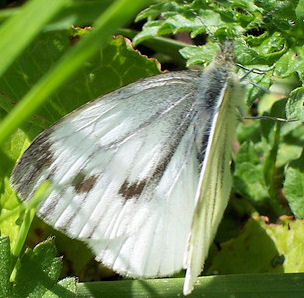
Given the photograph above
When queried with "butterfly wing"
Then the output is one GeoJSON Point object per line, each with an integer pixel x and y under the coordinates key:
{"type": "Point", "coordinates": [215, 178]}
{"type": "Point", "coordinates": [125, 170]}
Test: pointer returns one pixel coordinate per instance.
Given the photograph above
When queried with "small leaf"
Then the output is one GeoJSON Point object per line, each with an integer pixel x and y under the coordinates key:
{"type": "Point", "coordinates": [294, 186]}
{"type": "Point", "coordinates": [291, 62]}
{"type": "Point", "coordinates": [248, 175]}
{"type": "Point", "coordinates": [66, 288]}
{"type": "Point", "coordinates": [295, 104]}
{"type": "Point", "coordinates": [199, 55]}
{"type": "Point", "coordinates": [37, 271]}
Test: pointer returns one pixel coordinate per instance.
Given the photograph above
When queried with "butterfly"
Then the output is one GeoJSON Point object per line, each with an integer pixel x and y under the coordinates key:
{"type": "Point", "coordinates": [142, 174]}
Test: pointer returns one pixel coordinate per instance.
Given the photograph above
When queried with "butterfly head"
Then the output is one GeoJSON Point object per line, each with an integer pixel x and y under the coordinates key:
{"type": "Point", "coordinates": [225, 55]}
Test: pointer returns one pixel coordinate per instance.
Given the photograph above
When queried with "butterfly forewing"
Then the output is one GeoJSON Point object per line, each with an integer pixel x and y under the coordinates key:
{"type": "Point", "coordinates": [125, 170]}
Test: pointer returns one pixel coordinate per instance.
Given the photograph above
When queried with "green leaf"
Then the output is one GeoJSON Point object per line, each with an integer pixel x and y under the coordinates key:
{"type": "Point", "coordinates": [283, 234]}
{"type": "Point", "coordinates": [36, 275]}
{"type": "Point", "coordinates": [112, 67]}
{"type": "Point", "coordinates": [13, 148]}
{"type": "Point", "coordinates": [248, 175]}
{"type": "Point", "coordinates": [295, 104]}
{"type": "Point", "coordinates": [292, 143]}
{"type": "Point", "coordinates": [300, 9]}
{"type": "Point", "coordinates": [66, 288]}
{"type": "Point", "coordinates": [269, 170]}
{"type": "Point", "coordinates": [78, 258]}
{"type": "Point", "coordinates": [37, 271]}
{"type": "Point", "coordinates": [199, 55]}
{"type": "Point", "coordinates": [261, 54]}
{"type": "Point", "coordinates": [262, 247]}
{"type": "Point", "coordinates": [5, 261]}
{"type": "Point", "coordinates": [291, 62]}
{"type": "Point", "coordinates": [78, 13]}
{"type": "Point", "coordinates": [294, 186]}
{"type": "Point", "coordinates": [251, 252]}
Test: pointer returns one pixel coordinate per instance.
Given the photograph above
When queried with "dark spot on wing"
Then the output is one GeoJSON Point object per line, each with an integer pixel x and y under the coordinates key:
{"type": "Point", "coordinates": [128, 190]}
{"type": "Point", "coordinates": [34, 160]}
{"type": "Point", "coordinates": [39, 151]}
{"type": "Point", "coordinates": [83, 184]}
{"type": "Point", "coordinates": [160, 169]}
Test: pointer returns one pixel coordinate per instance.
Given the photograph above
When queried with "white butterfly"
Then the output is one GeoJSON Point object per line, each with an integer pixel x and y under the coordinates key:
{"type": "Point", "coordinates": [143, 172]}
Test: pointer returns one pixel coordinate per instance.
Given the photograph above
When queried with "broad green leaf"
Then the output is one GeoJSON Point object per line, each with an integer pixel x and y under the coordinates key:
{"type": "Point", "coordinates": [251, 252]}
{"type": "Point", "coordinates": [78, 13]}
{"type": "Point", "coordinates": [288, 237]}
{"type": "Point", "coordinates": [262, 247]}
{"type": "Point", "coordinates": [36, 275]}
{"type": "Point", "coordinates": [269, 172]}
{"type": "Point", "coordinates": [260, 55]}
{"type": "Point", "coordinates": [291, 145]}
{"type": "Point", "coordinates": [114, 66]}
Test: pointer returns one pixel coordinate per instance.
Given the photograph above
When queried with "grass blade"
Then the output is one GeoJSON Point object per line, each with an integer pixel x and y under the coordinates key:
{"type": "Point", "coordinates": [115, 16]}
{"type": "Point", "coordinates": [236, 285]}
{"type": "Point", "coordinates": [17, 32]}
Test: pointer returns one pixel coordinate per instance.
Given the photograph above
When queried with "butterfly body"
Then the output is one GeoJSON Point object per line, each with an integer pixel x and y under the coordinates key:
{"type": "Point", "coordinates": [142, 174]}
